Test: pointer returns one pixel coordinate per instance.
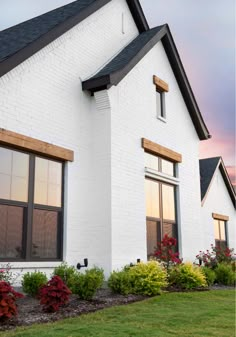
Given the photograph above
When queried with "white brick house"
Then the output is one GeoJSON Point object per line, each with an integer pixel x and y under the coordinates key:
{"type": "Point", "coordinates": [94, 107]}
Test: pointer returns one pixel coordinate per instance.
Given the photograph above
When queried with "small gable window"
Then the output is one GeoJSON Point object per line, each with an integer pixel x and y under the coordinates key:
{"type": "Point", "coordinates": [161, 88]}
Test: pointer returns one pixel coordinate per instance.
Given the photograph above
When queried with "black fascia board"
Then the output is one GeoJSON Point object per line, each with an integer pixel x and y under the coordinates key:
{"type": "Point", "coordinates": [115, 77]}
{"type": "Point", "coordinates": [228, 183]}
{"type": "Point", "coordinates": [138, 15]}
{"type": "Point", "coordinates": [184, 85]}
{"type": "Point", "coordinates": [23, 54]}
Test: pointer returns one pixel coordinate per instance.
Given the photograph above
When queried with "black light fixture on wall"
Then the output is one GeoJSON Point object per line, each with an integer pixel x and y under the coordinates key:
{"type": "Point", "coordinates": [83, 265]}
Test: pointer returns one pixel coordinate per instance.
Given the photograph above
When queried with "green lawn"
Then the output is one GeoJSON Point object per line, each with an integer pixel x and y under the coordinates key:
{"type": "Point", "coordinates": [210, 313]}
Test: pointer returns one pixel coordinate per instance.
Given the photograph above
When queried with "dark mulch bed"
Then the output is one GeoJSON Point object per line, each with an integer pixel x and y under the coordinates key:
{"type": "Point", "coordinates": [30, 311]}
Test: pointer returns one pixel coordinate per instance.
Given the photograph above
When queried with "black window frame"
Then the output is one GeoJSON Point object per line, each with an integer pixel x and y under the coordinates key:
{"type": "Point", "coordinates": [29, 207]}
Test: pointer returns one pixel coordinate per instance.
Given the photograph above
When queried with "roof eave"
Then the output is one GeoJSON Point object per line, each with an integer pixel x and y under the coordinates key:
{"type": "Point", "coordinates": [97, 83]}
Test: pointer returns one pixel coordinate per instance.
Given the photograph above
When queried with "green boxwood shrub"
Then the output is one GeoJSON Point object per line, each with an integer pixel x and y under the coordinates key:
{"type": "Point", "coordinates": [87, 284]}
{"type": "Point", "coordinates": [187, 276]}
{"type": "Point", "coordinates": [120, 283]}
{"type": "Point", "coordinates": [68, 274]}
{"type": "Point", "coordinates": [225, 274]}
{"type": "Point", "coordinates": [144, 279]}
{"type": "Point", "coordinates": [209, 274]}
{"type": "Point", "coordinates": [31, 282]}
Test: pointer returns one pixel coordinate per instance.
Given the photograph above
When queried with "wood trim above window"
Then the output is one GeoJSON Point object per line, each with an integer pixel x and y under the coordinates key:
{"type": "Point", "coordinates": [34, 145]}
{"type": "Point", "coordinates": [161, 151]}
{"type": "Point", "coordinates": [160, 84]}
{"type": "Point", "coordinates": [220, 217]}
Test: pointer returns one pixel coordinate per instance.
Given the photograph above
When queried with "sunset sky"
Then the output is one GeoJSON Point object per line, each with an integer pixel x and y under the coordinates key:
{"type": "Point", "coordinates": [204, 32]}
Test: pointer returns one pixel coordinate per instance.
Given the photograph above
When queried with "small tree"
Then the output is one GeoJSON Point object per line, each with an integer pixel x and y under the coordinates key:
{"type": "Point", "coordinates": [165, 251]}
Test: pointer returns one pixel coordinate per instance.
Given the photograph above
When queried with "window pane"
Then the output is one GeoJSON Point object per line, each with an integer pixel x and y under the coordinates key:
{"type": "Point", "coordinates": [216, 229]}
{"type": "Point", "coordinates": [222, 230]}
{"type": "Point", "coordinates": [153, 236]}
{"type": "Point", "coordinates": [48, 176]}
{"type": "Point", "coordinates": [151, 161]}
{"type": "Point", "coordinates": [169, 229]}
{"type": "Point", "coordinates": [167, 167]}
{"type": "Point", "coordinates": [168, 201]}
{"type": "Point", "coordinates": [11, 227]}
{"type": "Point", "coordinates": [44, 238]}
{"type": "Point", "coordinates": [14, 172]}
{"type": "Point", "coordinates": [152, 198]}
{"type": "Point", "coordinates": [158, 103]}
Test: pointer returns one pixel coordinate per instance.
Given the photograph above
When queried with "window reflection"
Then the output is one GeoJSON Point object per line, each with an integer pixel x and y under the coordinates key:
{"type": "Point", "coordinates": [14, 171]}
{"type": "Point", "coordinates": [152, 198]}
{"type": "Point", "coordinates": [216, 230]}
{"type": "Point", "coordinates": [219, 230]}
{"type": "Point", "coordinates": [45, 229]}
{"type": "Point", "coordinates": [153, 236]}
{"type": "Point", "coordinates": [222, 230]}
{"type": "Point", "coordinates": [48, 179]}
{"type": "Point", "coordinates": [151, 161]}
{"type": "Point", "coordinates": [11, 225]}
{"type": "Point", "coordinates": [167, 167]}
{"type": "Point", "coordinates": [168, 202]}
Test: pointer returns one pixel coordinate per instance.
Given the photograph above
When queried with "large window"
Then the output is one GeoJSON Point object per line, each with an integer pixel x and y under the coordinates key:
{"type": "Point", "coordinates": [220, 233]}
{"type": "Point", "coordinates": [160, 202]}
{"type": "Point", "coordinates": [30, 206]}
{"type": "Point", "coordinates": [160, 212]}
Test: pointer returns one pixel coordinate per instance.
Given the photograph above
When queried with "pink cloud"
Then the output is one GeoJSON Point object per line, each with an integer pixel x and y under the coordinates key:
{"type": "Point", "coordinates": [232, 174]}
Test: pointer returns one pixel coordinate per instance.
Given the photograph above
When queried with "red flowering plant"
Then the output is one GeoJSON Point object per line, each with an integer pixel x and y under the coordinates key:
{"type": "Point", "coordinates": [8, 296]}
{"type": "Point", "coordinates": [217, 254]}
{"type": "Point", "coordinates": [166, 251]}
{"type": "Point", "coordinates": [54, 294]}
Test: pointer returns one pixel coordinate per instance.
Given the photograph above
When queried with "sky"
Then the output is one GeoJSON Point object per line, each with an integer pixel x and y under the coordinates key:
{"type": "Point", "coordinates": [204, 33]}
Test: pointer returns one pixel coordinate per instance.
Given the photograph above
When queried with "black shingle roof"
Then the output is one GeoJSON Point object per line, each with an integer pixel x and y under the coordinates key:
{"type": "Point", "coordinates": [128, 53]}
{"type": "Point", "coordinates": [207, 170]}
{"type": "Point", "coordinates": [18, 37]}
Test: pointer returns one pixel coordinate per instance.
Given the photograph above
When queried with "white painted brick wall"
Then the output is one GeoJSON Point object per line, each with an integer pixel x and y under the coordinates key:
{"type": "Point", "coordinates": [218, 201]}
{"type": "Point", "coordinates": [42, 98]}
{"type": "Point", "coordinates": [133, 111]}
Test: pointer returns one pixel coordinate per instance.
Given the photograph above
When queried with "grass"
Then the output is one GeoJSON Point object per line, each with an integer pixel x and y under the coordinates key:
{"type": "Point", "coordinates": [171, 314]}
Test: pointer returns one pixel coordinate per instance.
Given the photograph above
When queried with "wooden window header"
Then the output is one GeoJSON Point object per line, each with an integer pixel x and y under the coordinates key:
{"type": "Point", "coordinates": [161, 151]}
{"type": "Point", "coordinates": [220, 217]}
{"type": "Point", "coordinates": [34, 145]}
{"type": "Point", "coordinates": [160, 84]}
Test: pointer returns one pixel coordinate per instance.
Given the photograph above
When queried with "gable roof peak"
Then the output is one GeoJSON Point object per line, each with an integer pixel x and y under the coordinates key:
{"type": "Point", "coordinates": [208, 167]}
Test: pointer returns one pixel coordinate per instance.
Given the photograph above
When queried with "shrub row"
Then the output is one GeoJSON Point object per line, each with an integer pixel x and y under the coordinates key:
{"type": "Point", "coordinates": [166, 269]}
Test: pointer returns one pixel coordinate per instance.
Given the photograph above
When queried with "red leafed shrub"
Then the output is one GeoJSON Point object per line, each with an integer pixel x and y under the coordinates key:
{"type": "Point", "coordinates": [54, 294]}
{"type": "Point", "coordinates": [8, 296]}
{"type": "Point", "coordinates": [165, 251]}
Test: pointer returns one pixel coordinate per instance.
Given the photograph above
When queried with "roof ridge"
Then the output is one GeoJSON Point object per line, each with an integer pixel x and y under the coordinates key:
{"type": "Point", "coordinates": [36, 17]}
